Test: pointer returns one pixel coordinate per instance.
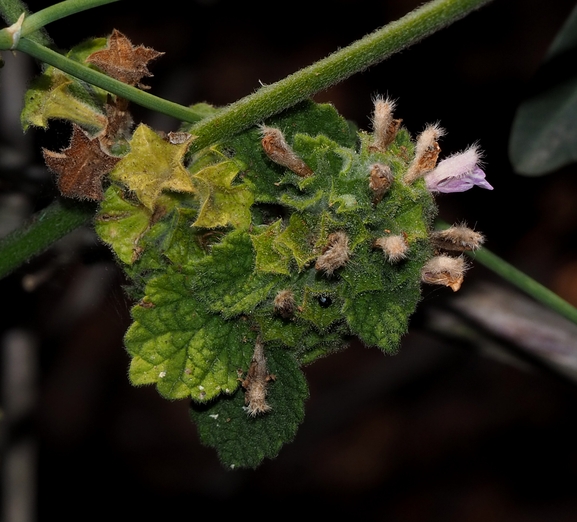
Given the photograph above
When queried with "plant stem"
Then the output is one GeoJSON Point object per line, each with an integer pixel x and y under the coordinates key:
{"type": "Point", "coordinates": [363, 53]}
{"type": "Point", "coordinates": [12, 9]}
{"type": "Point", "coordinates": [274, 98]}
{"type": "Point", "coordinates": [43, 229]}
{"type": "Point", "coordinates": [57, 11]}
{"type": "Point", "coordinates": [520, 279]}
{"type": "Point", "coordinates": [107, 83]}
{"type": "Point", "coordinates": [525, 283]}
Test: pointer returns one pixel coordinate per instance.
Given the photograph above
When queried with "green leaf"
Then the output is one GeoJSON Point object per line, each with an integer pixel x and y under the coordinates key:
{"type": "Point", "coordinates": [242, 441]}
{"type": "Point", "coordinates": [186, 350]}
{"type": "Point", "coordinates": [269, 258]}
{"type": "Point", "coordinates": [153, 165]}
{"type": "Point", "coordinates": [56, 95]}
{"type": "Point", "coordinates": [320, 317]}
{"type": "Point", "coordinates": [121, 223]}
{"type": "Point", "coordinates": [296, 239]}
{"type": "Point", "coordinates": [544, 133]}
{"type": "Point", "coordinates": [366, 272]}
{"type": "Point", "coordinates": [227, 281]}
{"type": "Point", "coordinates": [146, 241]}
{"type": "Point", "coordinates": [52, 97]}
{"type": "Point", "coordinates": [222, 203]}
{"type": "Point", "coordinates": [381, 318]}
{"type": "Point", "coordinates": [186, 244]}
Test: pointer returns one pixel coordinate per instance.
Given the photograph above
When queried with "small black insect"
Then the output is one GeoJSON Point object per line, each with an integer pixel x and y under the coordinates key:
{"type": "Point", "coordinates": [325, 301]}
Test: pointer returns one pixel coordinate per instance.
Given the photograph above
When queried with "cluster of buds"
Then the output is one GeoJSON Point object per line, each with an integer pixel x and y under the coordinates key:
{"type": "Point", "coordinates": [386, 178]}
{"type": "Point", "coordinates": [456, 173]}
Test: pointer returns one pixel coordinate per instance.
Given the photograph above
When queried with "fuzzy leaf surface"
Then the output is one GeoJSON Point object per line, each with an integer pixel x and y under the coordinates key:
{"type": "Point", "coordinates": [381, 318]}
{"type": "Point", "coordinates": [124, 61]}
{"type": "Point", "coordinates": [222, 203]}
{"type": "Point", "coordinates": [151, 166]}
{"type": "Point", "coordinates": [55, 95]}
{"type": "Point", "coordinates": [242, 441]}
{"type": "Point", "coordinates": [305, 118]}
{"type": "Point", "coordinates": [121, 223]}
{"type": "Point", "coordinates": [226, 280]}
{"type": "Point", "coordinates": [185, 350]}
{"type": "Point", "coordinates": [270, 258]}
{"type": "Point", "coordinates": [80, 167]}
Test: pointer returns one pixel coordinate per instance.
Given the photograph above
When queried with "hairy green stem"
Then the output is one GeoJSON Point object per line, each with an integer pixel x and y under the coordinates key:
{"type": "Point", "coordinates": [272, 99]}
{"type": "Point", "coordinates": [43, 229]}
{"type": "Point", "coordinates": [12, 9]}
{"type": "Point", "coordinates": [299, 86]}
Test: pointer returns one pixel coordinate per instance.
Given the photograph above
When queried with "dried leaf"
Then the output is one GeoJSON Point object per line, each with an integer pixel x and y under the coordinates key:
{"type": "Point", "coordinates": [81, 166]}
{"type": "Point", "coordinates": [124, 61]}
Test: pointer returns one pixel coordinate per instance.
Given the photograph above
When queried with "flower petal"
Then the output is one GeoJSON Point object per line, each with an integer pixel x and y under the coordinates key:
{"type": "Point", "coordinates": [458, 173]}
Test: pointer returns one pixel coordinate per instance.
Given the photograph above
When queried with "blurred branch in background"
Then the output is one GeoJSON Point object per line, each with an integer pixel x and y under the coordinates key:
{"type": "Point", "coordinates": [509, 317]}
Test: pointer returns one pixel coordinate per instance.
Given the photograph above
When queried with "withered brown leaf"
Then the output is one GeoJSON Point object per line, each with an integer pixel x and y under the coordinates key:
{"type": "Point", "coordinates": [124, 61]}
{"type": "Point", "coordinates": [80, 167]}
{"type": "Point", "coordinates": [118, 123]}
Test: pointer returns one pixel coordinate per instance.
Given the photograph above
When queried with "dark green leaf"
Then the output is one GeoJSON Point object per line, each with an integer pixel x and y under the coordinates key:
{"type": "Point", "coordinates": [243, 441]}
{"type": "Point", "coordinates": [544, 134]}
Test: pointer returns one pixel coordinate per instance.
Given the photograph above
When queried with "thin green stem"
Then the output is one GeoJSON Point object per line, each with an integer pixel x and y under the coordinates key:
{"type": "Point", "coordinates": [521, 280]}
{"type": "Point", "coordinates": [57, 11]}
{"type": "Point", "coordinates": [525, 283]}
{"type": "Point", "coordinates": [106, 82]}
{"type": "Point", "coordinates": [43, 229]}
{"type": "Point", "coordinates": [11, 10]}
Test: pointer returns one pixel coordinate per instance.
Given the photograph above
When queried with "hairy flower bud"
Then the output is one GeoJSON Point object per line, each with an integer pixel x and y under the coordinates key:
{"type": "Point", "coordinates": [457, 239]}
{"type": "Point", "coordinates": [256, 383]}
{"type": "Point", "coordinates": [335, 255]}
{"type": "Point", "coordinates": [444, 270]}
{"type": "Point", "coordinates": [279, 151]}
{"type": "Point", "coordinates": [426, 153]}
{"type": "Point", "coordinates": [394, 247]}
{"type": "Point", "coordinates": [284, 303]}
{"type": "Point", "coordinates": [385, 127]}
{"type": "Point", "coordinates": [380, 181]}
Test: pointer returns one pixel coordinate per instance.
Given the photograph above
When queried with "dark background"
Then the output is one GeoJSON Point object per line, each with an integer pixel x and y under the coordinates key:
{"type": "Point", "coordinates": [464, 424]}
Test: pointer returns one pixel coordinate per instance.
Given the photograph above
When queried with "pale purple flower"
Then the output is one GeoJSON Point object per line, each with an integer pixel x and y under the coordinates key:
{"type": "Point", "coordinates": [458, 173]}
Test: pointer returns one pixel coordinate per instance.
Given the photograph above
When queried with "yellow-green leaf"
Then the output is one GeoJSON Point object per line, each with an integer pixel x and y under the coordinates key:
{"type": "Point", "coordinates": [222, 203]}
{"type": "Point", "coordinates": [153, 165]}
{"type": "Point", "coordinates": [50, 97]}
